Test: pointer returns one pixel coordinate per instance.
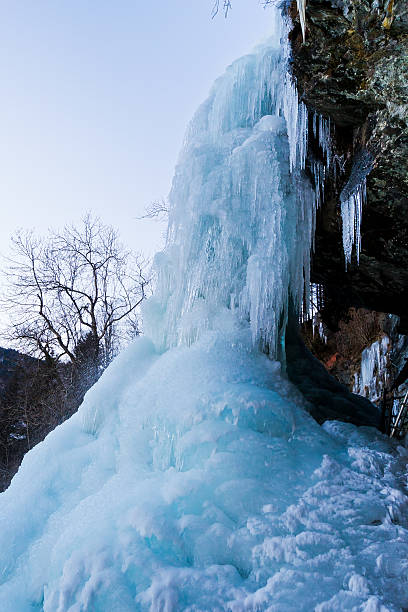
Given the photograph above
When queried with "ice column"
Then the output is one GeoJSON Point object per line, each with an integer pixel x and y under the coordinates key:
{"type": "Point", "coordinates": [373, 370]}
{"type": "Point", "coordinates": [242, 212]}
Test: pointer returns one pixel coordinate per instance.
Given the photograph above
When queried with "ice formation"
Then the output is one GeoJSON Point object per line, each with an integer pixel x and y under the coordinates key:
{"type": "Point", "coordinates": [301, 4]}
{"type": "Point", "coordinates": [373, 370]}
{"type": "Point", "coordinates": [352, 199]}
{"type": "Point", "coordinates": [321, 129]}
{"type": "Point", "coordinates": [322, 132]}
{"type": "Point", "coordinates": [192, 478]}
{"type": "Point", "coordinates": [242, 216]}
{"type": "Point", "coordinates": [353, 194]}
{"type": "Point", "coordinates": [351, 211]}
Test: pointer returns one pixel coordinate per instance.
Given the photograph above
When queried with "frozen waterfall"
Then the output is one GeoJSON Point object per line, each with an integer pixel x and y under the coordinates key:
{"type": "Point", "coordinates": [242, 216]}
{"type": "Point", "coordinates": [192, 478]}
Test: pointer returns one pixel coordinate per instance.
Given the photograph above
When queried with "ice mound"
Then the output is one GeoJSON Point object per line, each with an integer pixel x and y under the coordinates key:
{"type": "Point", "coordinates": [212, 491]}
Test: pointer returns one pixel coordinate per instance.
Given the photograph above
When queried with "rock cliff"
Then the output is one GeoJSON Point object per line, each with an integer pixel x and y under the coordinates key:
{"type": "Point", "coordinates": [353, 69]}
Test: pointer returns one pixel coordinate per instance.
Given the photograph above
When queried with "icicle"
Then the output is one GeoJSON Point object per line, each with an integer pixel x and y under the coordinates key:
{"type": "Point", "coordinates": [291, 112]}
{"type": "Point", "coordinates": [321, 129]}
{"type": "Point", "coordinates": [322, 335]}
{"type": "Point", "coordinates": [319, 175]}
{"type": "Point", "coordinates": [301, 5]}
{"type": "Point", "coordinates": [302, 134]}
{"type": "Point", "coordinates": [352, 199]}
{"type": "Point", "coordinates": [314, 124]}
{"type": "Point", "coordinates": [296, 116]}
{"type": "Point", "coordinates": [325, 138]}
{"type": "Point", "coordinates": [351, 212]}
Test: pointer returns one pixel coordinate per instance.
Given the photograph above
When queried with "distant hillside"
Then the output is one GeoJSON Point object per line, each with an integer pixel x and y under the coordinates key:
{"type": "Point", "coordinates": [35, 397]}
{"type": "Point", "coordinates": [9, 359]}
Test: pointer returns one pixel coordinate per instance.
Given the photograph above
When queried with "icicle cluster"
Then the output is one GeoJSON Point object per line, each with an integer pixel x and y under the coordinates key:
{"type": "Point", "coordinates": [373, 370]}
{"type": "Point", "coordinates": [351, 212]}
{"type": "Point", "coordinates": [322, 132]}
{"type": "Point", "coordinates": [296, 116]}
{"type": "Point", "coordinates": [352, 199]}
{"type": "Point", "coordinates": [321, 128]}
{"type": "Point", "coordinates": [353, 194]}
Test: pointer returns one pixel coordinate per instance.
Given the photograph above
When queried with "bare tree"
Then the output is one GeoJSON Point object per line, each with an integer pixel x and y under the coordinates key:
{"type": "Point", "coordinates": [226, 6]}
{"type": "Point", "coordinates": [72, 290]}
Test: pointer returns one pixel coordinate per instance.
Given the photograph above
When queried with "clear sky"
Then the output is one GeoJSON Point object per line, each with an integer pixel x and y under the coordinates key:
{"type": "Point", "coordinates": [95, 98]}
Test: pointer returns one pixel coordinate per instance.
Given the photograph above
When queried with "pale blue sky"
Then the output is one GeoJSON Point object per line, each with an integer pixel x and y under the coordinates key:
{"type": "Point", "coordinates": [95, 98]}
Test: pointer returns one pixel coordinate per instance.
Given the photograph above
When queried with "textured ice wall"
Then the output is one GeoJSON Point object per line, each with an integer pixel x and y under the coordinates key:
{"type": "Point", "coordinates": [352, 199]}
{"type": "Point", "coordinates": [242, 214]}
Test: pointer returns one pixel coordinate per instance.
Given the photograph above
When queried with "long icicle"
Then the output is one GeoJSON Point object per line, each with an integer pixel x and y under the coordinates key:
{"type": "Point", "coordinates": [301, 5]}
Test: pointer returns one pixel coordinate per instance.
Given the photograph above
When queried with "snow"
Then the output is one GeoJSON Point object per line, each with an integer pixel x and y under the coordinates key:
{"type": "Point", "coordinates": [192, 478]}
{"type": "Point", "coordinates": [213, 490]}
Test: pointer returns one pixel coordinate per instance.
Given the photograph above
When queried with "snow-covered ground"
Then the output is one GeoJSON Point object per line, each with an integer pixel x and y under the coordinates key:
{"type": "Point", "coordinates": [194, 480]}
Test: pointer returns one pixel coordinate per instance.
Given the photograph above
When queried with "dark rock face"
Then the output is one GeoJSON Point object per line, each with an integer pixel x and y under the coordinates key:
{"type": "Point", "coordinates": [9, 360]}
{"type": "Point", "coordinates": [353, 69]}
{"type": "Point", "coordinates": [341, 351]}
{"type": "Point", "coordinates": [327, 398]}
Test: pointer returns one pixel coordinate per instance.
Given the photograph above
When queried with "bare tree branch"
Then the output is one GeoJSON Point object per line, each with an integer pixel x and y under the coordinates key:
{"type": "Point", "coordinates": [157, 208]}
{"type": "Point", "coordinates": [226, 7]}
